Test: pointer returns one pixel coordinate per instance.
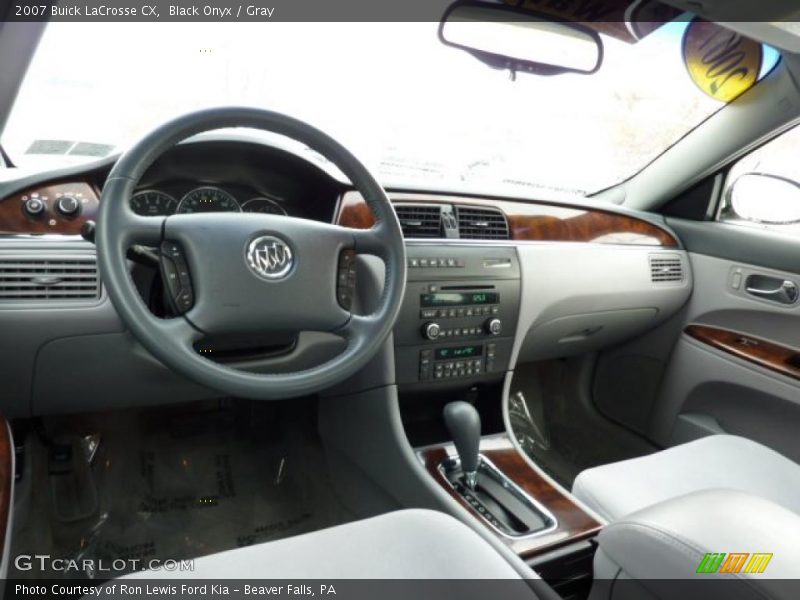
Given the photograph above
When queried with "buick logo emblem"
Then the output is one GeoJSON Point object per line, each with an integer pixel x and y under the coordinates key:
{"type": "Point", "coordinates": [269, 257]}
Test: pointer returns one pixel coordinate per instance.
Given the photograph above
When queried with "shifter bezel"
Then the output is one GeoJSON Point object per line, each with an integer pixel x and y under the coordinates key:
{"type": "Point", "coordinates": [451, 471]}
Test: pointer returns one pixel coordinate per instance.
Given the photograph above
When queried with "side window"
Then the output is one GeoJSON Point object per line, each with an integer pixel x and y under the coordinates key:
{"type": "Point", "coordinates": [763, 188]}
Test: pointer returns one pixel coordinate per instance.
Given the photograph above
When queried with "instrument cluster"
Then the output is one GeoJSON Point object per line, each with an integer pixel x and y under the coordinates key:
{"type": "Point", "coordinates": [157, 202]}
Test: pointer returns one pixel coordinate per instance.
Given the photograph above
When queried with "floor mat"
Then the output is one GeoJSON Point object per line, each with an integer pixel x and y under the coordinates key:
{"type": "Point", "coordinates": [557, 430]}
{"type": "Point", "coordinates": [178, 484]}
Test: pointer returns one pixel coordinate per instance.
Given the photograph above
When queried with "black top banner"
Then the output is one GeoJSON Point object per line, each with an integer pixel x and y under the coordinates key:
{"type": "Point", "coordinates": [589, 11]}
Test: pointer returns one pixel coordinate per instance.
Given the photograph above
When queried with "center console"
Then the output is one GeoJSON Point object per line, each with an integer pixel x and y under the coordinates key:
{"type": "Point", "coordinates": [459, 315]}
{"type": "Point", "coordinates": [455, 332]}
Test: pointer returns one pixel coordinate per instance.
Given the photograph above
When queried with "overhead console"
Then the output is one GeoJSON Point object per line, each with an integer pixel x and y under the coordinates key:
{"type": "Point", "coordinates": [459, 316]}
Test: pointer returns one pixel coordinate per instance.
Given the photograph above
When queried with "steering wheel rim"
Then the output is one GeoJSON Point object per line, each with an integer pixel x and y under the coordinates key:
{"type": "Point", "coordinates": [311, 243]}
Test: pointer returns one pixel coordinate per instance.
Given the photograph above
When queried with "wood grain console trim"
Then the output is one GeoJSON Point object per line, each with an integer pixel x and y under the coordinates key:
{"type": "Point", "coordinates": [14, 219]}
{"type": "Point", "coordinates": [534, 221]}
{"type": "Point", "coordinates": [573, 524]}
{"type": "Point", "coordinates": [772, 356]}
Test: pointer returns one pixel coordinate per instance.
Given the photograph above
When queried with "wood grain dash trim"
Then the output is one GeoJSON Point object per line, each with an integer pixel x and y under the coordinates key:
{"type": "Point", "coordinates": [533, 221]}
{"type": "Point", "coordinates": [14, 219]}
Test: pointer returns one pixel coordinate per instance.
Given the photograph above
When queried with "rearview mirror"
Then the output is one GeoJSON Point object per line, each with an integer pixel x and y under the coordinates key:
{"type": "Point", "coordinates": [767, 199]}
{"type": "Point", "coordinates": [504, 37]}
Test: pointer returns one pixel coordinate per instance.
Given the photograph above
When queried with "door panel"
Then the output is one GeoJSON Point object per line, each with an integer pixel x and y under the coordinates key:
{"type": "Point", "coordinates": [742, 376]}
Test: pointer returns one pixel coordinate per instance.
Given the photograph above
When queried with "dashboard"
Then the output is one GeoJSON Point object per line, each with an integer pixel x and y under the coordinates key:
{"type": "Point", "coordinates": [492, 282]}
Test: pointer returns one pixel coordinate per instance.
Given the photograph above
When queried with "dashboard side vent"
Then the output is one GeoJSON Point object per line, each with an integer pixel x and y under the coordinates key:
{"type": "Point", "coordinates": [420, 220]}
{"type": "Point", "coordinates": [38, 278]}
{"type": "Point", "coordinates": [666, 268]}
{"type": "Point", "coordinates": [479, 223]}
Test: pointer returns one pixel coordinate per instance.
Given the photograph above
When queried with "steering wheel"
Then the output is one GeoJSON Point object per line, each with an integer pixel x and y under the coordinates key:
{"type": "Point", "coordinates": [249, 273]}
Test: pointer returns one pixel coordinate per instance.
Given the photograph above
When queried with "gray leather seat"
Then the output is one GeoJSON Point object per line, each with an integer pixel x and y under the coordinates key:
{"type": "Point", "coordinates": [719, 461]}
{"type": "Point", "coordinates": [656, 553]}
{"type": "Point", "coordinates": [407, 544]}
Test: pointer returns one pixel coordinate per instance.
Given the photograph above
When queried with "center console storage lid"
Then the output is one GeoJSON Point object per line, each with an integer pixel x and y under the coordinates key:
{"type": "Point", "coordinates": [664, 544]}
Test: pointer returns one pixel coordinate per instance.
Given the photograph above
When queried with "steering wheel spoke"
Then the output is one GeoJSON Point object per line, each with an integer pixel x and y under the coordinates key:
{"type": "Point", "coordinates": [357, 327]}
{"type": "Point", "coordinates": [144, 231]}
{"type": "Point", "coordinates": [180, 332]}
{"type": "Point", "coordinates": [370, 241]}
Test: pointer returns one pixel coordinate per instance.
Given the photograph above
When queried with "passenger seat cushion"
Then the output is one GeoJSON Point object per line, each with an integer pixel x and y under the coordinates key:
{"type": "Point", "coordinates": [415, 544]}
{"type": "Point", "coordinates": [719, 461]}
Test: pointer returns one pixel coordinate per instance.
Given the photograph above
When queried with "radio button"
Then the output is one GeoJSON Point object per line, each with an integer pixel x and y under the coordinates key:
{"type": "Point", "coordinates": [428, 313]}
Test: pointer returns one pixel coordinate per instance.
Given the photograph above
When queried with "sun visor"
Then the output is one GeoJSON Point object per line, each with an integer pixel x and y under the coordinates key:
{"type": "Point", "coordinates": [626, 20]}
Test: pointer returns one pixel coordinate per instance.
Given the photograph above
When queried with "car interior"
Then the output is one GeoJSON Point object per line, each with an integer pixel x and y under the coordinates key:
{"type": "Point", "coordinates": [227, 338]}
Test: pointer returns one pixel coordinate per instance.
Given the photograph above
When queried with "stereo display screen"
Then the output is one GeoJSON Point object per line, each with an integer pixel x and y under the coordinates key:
{"type": "Point", "coordinates": [458, 299]}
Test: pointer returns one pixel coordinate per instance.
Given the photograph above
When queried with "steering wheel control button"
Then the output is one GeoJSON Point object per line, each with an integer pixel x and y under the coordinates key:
{"type": "Point", "coordinates": [175, 274]}
{"type": "Point", "coordinates": [346, 279]}
{"type": "Point", "coordinates": [34, 207]}
{"type": "Point", "coordinates": [269, 257]}
{"type": "Point", "coordinates": [69, 206]}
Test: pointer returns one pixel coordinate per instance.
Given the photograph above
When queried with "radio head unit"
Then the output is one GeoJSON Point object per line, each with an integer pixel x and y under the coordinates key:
{"type": "Point", "coordinates": [457, 323]}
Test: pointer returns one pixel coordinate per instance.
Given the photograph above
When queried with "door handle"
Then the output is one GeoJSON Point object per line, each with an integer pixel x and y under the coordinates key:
{"type": "Point", "coordinates": [782, 291]}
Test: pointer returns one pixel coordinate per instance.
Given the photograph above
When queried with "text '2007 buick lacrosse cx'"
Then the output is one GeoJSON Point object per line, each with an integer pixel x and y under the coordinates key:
{"type": "Point", "coordinates": [400, 300]}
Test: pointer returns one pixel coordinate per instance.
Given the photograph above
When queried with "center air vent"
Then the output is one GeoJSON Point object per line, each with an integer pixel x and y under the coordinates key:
{"type": "Point", "coordinates": [420, 220]}
{"type": "Point", "coordinates": [38, 278]}
{"type": "Point", "coordinates": [481, 223]}
{"type": "Point", "coordinates": [666, 268]}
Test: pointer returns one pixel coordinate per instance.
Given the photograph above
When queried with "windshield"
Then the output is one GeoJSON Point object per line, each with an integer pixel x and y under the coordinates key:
{"type": "Point", "coordinates": [417, 112]}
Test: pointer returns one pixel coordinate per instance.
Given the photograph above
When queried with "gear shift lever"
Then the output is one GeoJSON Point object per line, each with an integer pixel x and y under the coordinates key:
{"type": "Point", "coordinates": [464, 424]}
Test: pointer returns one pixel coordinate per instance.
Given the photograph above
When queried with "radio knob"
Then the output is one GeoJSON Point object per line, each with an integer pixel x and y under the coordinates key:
{"type": "Point", "coordinates": [431, 331]}
{"type": "Point", "coordinates": [68, 205]}
{"type": "Point", "coordinates": [493, 326]}
{"type": "Point", "coordinates": [34, 207]}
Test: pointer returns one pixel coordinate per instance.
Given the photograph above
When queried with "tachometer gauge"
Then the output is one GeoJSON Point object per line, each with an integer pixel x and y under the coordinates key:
{"type": "Point", "coordinates": [152, 203]}
{"type": "Point", "coordinates": [263, 205]}
{"type": "Point", "coordinates": [208, 199]}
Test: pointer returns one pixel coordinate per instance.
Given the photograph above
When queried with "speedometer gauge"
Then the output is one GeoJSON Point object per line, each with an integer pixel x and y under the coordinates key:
{"type": "Point", "coordinates": [208, 199]}
{"type": "Point", "coordinates": [263, 205]}
{"type": "Point", "coordinates": [152, 203]}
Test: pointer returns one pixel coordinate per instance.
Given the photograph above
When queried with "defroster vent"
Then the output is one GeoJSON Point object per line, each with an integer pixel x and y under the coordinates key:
{"type": "Point", "coordinates": [479, 223]}
{"type": "Point", "coordinates": [42, 278]}
{"type": "Point", "coordinates": [420, 220]}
